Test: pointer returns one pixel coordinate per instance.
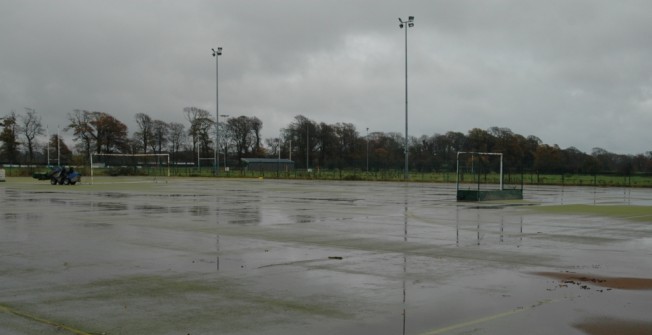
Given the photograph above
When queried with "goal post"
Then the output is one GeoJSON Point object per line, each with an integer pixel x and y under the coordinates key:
{"type": "Point", "coordinates": [479, 165]}
{"type": "Point", "coordinates": [473, 159]}
{"type": "Point", "coordinates": [130, 155]}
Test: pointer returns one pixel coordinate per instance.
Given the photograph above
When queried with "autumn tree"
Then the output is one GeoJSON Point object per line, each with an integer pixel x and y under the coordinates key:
{"type": "Point", "coordinates": [446, 147]}
{"type": "Point", "coordinates": [547, 159]}
{"type": "Point", "coordinates": [112, 134]}
{"type": "Point", "coordinates": [479, 140]}
{"type": "Point", "coordinates": [422, 153]}
{"type": "Point", "coordinates": [387, 149]}
{"type": "Point", "coordinates": [98, 132]}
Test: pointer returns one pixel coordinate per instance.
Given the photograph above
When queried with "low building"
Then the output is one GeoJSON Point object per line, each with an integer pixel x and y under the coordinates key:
{"type": "Point", "coordinates": [267, 164]}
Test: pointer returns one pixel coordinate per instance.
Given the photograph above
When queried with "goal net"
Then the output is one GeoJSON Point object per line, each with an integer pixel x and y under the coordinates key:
{"type": "Point", "coordinates": [129, 160]}
{"type": "Point", "coordinates": [480, 177]}
{"type": "Point", "coordinates": [481, 170]}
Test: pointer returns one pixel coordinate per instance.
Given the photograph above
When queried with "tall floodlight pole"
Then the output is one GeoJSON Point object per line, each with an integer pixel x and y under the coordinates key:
{"type": "Point", "coordinates": [216, 160]}
{"type": "Point", "coordinates": [406, 24]}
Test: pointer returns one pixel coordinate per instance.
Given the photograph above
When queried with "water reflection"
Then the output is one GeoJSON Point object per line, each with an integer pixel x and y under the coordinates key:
{"type": "Point", "coordinates": [150, 209]}
{"type": "Point", "coordinates": [241, 212]}
{"type": "Point", "coordinates": [405, 239]}
{"type": "Point", "coordinates": [109, 206]}
{"type": "Point", "coordinates": [199, 210]}
{"type": "Point", "coordinates": [589, 195]}
{"type": "Point", "coordinates": [217, 248]}
{"type": "Point", "coordinates": [303, 218]}
{"type": "Point", "coordinates": [485, 221]}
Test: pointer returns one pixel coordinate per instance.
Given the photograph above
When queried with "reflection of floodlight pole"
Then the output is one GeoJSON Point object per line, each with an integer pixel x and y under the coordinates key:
{"type": "Point", "coordinates": [216, 167]}
{"type": "Point", "coordinates": [407, 24]}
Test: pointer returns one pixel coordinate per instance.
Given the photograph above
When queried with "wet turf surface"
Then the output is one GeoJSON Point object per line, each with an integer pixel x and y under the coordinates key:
{"type": "Point", "coordinates": [207, 256]}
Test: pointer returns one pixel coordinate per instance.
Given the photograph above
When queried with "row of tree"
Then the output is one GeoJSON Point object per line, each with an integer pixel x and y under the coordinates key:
{"type": "Point", "coordinates": [309, 143]}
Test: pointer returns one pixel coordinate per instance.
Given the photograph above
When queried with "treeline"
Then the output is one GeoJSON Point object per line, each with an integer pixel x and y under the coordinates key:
{"type": "Point", "coordinates": [311, 144]}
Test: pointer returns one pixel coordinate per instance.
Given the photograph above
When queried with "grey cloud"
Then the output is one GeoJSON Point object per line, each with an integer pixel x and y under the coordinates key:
{"type": "Point", "coordinates": [574, 73]}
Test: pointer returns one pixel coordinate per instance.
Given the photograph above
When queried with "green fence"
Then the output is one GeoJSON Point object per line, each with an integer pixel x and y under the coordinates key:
{"type": "Point", "coordinates": [600, 180]}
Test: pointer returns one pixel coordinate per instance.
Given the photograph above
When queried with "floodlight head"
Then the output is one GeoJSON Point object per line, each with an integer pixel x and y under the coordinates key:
{"type": "Point", "coordinates": [400, 25]}
{"type": "Point", "coordinates": [411, 18]}
{"type": "Point", "coordinates": [219, 51]}
{"type": "Point", "coordinates": [410, 24]}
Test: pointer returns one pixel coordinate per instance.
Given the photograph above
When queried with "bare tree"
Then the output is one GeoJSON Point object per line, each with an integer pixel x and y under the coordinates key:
{"type": "Point", "coordinates": [176, 138]}
{"type": "Point", "coordinates": [30, 126]}
{"type": "Point", "coordinates": [80, 124]}
{"type": "Point", "coordinates": [144, 133]}
{"type": "Point", "coordinates": [160, 131]}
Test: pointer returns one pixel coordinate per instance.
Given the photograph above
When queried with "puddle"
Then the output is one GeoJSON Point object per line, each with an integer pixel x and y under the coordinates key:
{"type": "Point", "coordinates": [583, 280]}
{"type": "Point", "coordinates": [610, 326]}
{"type": "Point", "coordinates": [290, 257]}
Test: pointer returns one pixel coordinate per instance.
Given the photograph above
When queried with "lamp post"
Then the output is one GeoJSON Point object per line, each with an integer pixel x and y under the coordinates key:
{"type": "Point", "coordinates": [216, 164]}
{"type": "Point", "coordinates": [406, 24]}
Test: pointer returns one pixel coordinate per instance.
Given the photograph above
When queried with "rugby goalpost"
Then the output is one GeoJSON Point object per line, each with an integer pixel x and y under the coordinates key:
{"type": "Point", "coordinates": [130, 155]}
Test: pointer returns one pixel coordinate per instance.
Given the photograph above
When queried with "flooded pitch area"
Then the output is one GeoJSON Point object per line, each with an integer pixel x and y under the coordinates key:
{"type": "Point", "coordinates": [213, 256]}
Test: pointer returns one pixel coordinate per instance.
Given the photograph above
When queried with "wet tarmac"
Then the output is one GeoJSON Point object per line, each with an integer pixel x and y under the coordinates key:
{"type": "Point", "coordinates": [250, 256]}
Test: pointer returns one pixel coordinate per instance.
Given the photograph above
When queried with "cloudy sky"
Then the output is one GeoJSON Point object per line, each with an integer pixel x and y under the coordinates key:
{"type": "Point", "coordinates": [571, 72]}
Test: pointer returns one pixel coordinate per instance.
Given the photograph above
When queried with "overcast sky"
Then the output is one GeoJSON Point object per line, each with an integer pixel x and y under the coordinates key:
{"type": "Point", "coordinates": [573, 73]}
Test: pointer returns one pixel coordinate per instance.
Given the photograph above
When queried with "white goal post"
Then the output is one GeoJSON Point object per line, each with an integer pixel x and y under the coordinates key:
{"type": "Point", "coordinates": [130, 155]}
